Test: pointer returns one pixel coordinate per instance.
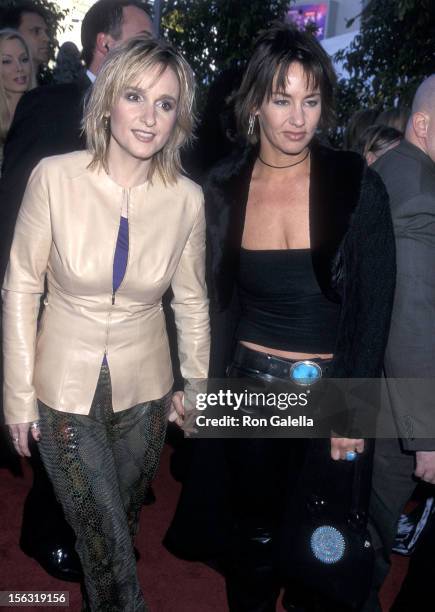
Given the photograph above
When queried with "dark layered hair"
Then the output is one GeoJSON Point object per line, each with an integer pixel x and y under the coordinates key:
{"type": "Point", "coordinates": [395, 117]}
{"type": "Point", "coordinates": [10, 17]}
{"type": "Point", "coordinates": [357, 125]}
{"type": "Point", "coordinates": [274, 51]}
{"type": "Point", "coordinates": [105, 16]}
{"type": "Point", "coordinates": [378, 138]}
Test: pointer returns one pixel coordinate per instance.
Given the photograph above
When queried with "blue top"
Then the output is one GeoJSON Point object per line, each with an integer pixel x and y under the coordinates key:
{"type": "Point", "coordinates": [120, 259]}
{"type": "Point", "coordinates": [121, 254]}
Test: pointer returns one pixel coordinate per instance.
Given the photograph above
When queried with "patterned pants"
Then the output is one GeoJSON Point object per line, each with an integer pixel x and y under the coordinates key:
{"type": "Point", "coordinates": [101, 465]}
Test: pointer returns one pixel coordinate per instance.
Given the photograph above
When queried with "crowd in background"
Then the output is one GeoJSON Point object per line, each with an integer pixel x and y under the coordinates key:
{"type": "Point", "coordinates": [27, 23]}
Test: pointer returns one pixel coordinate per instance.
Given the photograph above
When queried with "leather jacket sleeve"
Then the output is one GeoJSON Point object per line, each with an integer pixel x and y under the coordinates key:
{"type": "Point", "coordinates": [22, 289]}
{"type": "Point", "coordinates": [190, 305]}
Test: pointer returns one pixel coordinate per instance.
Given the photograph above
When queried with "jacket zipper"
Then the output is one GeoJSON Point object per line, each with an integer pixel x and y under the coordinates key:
{"type": "Point", "coordinates": [125, 195]}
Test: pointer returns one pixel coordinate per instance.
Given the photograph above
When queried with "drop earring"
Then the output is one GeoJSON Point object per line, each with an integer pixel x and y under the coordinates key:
{"type": "Point", "coordinates": [251, 124]}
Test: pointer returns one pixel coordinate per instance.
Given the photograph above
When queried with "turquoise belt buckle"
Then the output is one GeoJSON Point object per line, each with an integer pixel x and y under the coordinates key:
{"type": "Point", "coordinates": [305, 372]}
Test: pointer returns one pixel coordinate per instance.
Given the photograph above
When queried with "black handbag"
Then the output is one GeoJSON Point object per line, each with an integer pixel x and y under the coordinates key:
{"type": "Point", "coordinates": [328, 550]}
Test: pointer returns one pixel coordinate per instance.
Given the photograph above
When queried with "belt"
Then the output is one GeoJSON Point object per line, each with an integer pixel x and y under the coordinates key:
{"type": "Point", "coordinates": [300, 371]}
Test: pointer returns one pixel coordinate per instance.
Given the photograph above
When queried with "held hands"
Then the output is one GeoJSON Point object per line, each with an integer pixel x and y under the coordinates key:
{"type": "Point", "coordinates": [182, 413]}
{"type": "Point", "coordinates": [177, 408]}
{"type": "Point", "coordinates": [19, 435]}
{"type": "Point", "coordinates": [425, 466]}
{"type": "Point", "coordinates": [341, 446]}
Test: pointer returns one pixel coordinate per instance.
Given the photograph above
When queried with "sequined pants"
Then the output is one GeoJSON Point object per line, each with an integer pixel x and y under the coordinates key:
{"type": "Point", "coordinates": [101, 465]}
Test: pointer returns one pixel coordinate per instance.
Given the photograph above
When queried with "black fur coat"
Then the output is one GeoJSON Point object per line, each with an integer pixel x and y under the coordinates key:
{"type": "Point", "coordinates": [352, 247]}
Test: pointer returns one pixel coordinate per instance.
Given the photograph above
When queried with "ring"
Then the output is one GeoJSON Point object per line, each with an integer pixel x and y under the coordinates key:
{"type": "Point", "coordinates": [34, 425]}
{"type": "Point", "coordinates": [350, 456]}
{"type": "Point", "coordinates": [15, 439]}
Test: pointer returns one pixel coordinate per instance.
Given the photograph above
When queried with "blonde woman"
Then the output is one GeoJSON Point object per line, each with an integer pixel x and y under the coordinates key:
{"type": "Point", "coordinates": [111, 228]}
{"type": "Point", "coordinates": [16, 77]}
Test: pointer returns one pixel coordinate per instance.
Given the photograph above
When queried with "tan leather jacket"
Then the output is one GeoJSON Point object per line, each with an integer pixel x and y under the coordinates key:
{"type": "Point", "coordinates": [67, 231]}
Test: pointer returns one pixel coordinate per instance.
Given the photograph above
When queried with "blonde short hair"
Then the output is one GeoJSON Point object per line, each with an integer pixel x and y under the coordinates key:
{"type": "Point", "coordinates": [123, 66]}
{"type": "Point", "coordinates": [5, 114]}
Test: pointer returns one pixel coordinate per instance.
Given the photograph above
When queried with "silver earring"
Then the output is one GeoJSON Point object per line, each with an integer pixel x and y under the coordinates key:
{"type": "Point", "coordinates": [251, 124]}
{"type": "Point", "coordinates": [106, 124]}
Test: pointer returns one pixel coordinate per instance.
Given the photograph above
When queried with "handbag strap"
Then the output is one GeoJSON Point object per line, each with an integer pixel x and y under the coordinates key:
{"type": "Point", "coordinates": [359, 470]}
{"type": "Point", "coordinates": [356, 488]}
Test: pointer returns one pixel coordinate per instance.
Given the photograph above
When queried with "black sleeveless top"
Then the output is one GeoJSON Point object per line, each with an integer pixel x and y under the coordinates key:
{"type": "Point", "coordinates": [282, 305]}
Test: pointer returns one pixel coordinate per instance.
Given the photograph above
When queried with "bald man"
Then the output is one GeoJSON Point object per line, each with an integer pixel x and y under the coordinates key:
{"type": "Point", "coordinates": [408, 172]}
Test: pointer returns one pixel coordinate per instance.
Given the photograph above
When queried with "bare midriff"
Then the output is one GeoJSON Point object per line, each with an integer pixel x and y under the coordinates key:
{"type": "Point", "coordinates": [285, 354]}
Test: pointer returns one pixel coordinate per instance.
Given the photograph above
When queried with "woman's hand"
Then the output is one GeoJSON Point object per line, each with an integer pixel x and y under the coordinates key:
{"type": "Point", "coordinates": [177, 408]}
{"type": "Point", "coordinates": [19, 434]}
{"type": "Point", "coordinates": [181, 415]}
{"type": "Point", "coordinates": [341, 446]}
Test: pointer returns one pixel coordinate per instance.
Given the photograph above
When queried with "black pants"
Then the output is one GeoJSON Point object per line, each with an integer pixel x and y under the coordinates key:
{"type": "Point", "coordinates": [393, 485]}
{"type": "Point", "coordinates": [259, 477]}
{"type": "Point", "coordinates": [101, 465]}
{"type": "Point", "coordinates": [259, 480]}
{"type": "Point", "coordinates": [264, 473]}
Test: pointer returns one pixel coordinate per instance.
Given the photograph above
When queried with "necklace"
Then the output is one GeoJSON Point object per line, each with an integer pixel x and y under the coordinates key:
{"type": "Point", "coordinates": [282, 167]}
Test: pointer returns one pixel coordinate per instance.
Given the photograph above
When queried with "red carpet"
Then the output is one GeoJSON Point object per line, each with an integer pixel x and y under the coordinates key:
{"type": "Point", "coordinates": [169, 585]}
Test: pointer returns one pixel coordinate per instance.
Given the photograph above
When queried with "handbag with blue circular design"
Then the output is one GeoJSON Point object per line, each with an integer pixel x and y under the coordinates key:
{"type": "Point", "coordinates": [330, 551]}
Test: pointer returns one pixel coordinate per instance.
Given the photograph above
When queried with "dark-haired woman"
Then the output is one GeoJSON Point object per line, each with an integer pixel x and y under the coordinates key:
{"type": "Point", "coordinates": [377, 140]}
{"type": "Point", "coordinates": [301, 255]}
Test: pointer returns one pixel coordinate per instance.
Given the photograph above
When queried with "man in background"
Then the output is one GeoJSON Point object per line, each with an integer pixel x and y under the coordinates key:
{"type": "Point", "coordinates": [408, 172]}
{"type": "Point", "coordinates": [31, 22]}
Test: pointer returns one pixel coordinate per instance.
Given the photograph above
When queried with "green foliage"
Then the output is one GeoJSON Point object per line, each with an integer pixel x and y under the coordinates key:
{"type": "Point", "coordinates": [217, 34]}
{"type": "Point", "coordinates": [393, 53]}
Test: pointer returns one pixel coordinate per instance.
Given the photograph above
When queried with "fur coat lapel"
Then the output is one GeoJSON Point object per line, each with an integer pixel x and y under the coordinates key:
{"type": "Point", "coordinates": [334, 194]}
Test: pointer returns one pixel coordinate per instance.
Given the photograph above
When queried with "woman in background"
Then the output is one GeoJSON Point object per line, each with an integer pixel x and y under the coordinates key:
{"type": "Point", "coordinates": [396, 118]}
{"type": "Point", "coordinates": [16, 77]}
{"type": "Point", "coordinates": [357, 125]}
{"type": "Point", "coordinates": [377, 140]}
{"type": "Point", "coordinates": [110, 229]}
